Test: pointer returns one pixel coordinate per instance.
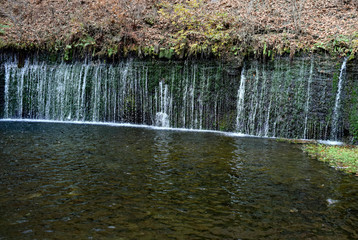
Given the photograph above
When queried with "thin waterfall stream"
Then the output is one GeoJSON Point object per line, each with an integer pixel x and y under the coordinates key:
{"type": "Point", "coordinates": [162, 117]}
{"type": "Point", "coordinates": [337, 105]}
{"type": "Point", "coordinates": [240, 102]}
{"type": "Point", "coordinates": [308, 97]}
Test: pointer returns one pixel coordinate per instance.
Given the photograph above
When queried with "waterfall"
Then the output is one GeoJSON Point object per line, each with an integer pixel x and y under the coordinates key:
{"type": "Point", "coordinates": [162, 117]}
{"type": "Point", "coordinates": [337, 106]}
{"type": "Point", "coordinates": [7, 80]}
{"type": "Point", "coordinates": [254, 104]}
{"type": "Point", "coordinates": [308, 97]}
{"type": "Point", "coordinates": [240, 103]}
{"type": "Point", "coordinates": [81, 93]}
{"type": "Point", "coordinates": [275, 99]}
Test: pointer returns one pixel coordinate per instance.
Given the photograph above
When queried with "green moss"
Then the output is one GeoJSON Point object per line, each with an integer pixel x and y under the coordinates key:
{"type": "Point", "coordinates": [112, 51]}
{"type": "Point", "coordinates": [3, 29]}
{"type": "Point", "coordinates": [166, 53]}
{"type": "Point", "coordinates": [294, 141]}
{"type": "Point", "coordinates": [67, 56]}
{"type": "Point", "coordinates": [335, 80]}
{"type": "Point", "coordinates": [196, 31]}
{"type": "Point", "coordinates": [353, 112]}
{"type": "Point", "coordinates": [226, 123]}
{"type": "Point", "coordinates": [354, 127]}
{"type": "Point", "coordinates": [148, 51]}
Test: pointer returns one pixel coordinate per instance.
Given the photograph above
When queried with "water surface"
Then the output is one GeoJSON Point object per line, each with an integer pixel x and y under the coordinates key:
{"type": "Point", "coordinates": [62, 181]}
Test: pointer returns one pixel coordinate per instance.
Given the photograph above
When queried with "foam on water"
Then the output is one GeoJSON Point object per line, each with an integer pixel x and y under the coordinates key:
{"type": "Point", "coordinates": [112, 124]}
{"type": "Point", "coordinates": [333, 143]}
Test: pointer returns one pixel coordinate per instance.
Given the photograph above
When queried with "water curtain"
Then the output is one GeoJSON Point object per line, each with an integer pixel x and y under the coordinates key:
{"type": "Point", "coordinates": [275, 99]}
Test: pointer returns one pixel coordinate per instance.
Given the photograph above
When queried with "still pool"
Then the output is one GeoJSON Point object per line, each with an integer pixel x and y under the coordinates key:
{"type": "Point", "coordinates": [79, 181]}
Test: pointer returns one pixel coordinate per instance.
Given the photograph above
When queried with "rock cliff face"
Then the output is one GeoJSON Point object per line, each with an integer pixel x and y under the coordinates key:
{"type": "Point", "coordinates": [280, 98]}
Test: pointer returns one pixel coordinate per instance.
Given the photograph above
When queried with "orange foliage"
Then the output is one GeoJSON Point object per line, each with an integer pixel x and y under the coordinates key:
{"type": "Point", "coordinates": [278, 23]}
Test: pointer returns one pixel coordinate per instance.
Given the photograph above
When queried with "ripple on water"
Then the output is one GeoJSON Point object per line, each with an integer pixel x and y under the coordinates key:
{"type": "Point", "coordinates": [95, 181]}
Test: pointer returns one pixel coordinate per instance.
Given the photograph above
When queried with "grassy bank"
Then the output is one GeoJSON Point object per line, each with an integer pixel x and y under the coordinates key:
{"type": "Point", "coordinates": [344, 158]}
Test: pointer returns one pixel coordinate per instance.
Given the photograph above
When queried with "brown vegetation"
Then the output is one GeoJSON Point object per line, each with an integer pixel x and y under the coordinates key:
{"type": "Point", "coordinates": [184, 28]}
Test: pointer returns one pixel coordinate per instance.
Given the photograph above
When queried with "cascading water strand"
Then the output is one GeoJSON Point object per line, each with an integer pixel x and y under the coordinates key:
{"type": "Point", "coordinates": [337, 106]}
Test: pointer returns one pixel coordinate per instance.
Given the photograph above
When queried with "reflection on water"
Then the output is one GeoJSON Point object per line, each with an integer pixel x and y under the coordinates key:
{"type": "Point", "coordinates": [61, 181]}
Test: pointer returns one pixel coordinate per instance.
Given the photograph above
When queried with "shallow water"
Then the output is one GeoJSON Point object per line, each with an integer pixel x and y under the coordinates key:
{"type": "Point", "coordinates": [62, 181]}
